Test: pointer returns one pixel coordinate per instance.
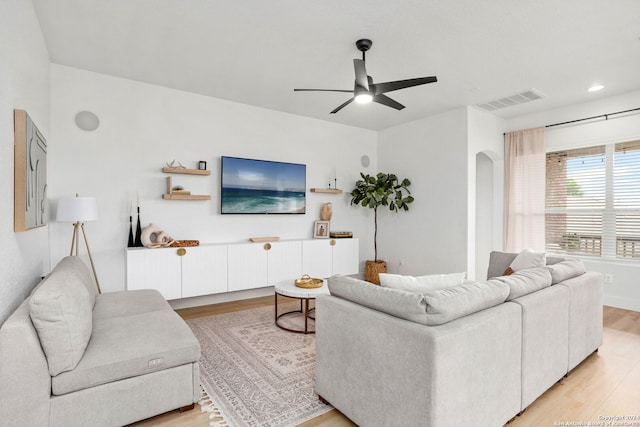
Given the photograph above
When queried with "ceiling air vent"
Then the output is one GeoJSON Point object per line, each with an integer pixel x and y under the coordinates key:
{"type": "Point", "coordinates": [508, 101]}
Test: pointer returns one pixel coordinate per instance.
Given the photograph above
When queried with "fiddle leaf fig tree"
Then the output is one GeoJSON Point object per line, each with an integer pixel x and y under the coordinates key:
{"type": "Point", "coordinates": [383, 189]}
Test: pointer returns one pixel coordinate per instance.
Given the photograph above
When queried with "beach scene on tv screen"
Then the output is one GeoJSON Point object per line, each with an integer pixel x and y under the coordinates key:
{"type": "Point", "coordinates": [262, 187]}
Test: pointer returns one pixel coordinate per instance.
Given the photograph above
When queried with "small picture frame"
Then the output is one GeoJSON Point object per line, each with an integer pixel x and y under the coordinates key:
{"type": "Point", "coordinates": [321, 230]}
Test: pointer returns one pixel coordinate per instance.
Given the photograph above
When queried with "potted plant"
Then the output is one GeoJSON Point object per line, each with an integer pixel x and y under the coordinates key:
{"type": "Point", "coordinates": [383, 189]}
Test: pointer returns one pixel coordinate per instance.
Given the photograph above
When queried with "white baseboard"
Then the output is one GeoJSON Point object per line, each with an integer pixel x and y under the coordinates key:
{"type": "Point", "coordinates": [219, 298]}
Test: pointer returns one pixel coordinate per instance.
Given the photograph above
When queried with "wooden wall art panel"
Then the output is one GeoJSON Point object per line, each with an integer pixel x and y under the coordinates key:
{"type": "Point", "coordinates": [30, 174]}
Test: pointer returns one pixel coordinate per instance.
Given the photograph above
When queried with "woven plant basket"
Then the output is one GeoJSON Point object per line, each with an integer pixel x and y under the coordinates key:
{"type": "Point", "coordinates": [372, 269]}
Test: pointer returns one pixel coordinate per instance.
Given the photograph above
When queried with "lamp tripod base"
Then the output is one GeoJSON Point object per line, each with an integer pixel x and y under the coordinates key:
{"type": "Point", "coordinates": [75, 244]}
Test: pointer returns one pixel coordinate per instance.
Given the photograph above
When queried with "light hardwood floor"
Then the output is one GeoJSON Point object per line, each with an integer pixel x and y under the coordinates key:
{"type": "Point", "coordinates": [606, 384]}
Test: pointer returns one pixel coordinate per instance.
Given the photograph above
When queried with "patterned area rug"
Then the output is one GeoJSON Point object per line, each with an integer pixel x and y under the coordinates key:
{"type": "Point", "coordinates": [254, 373]}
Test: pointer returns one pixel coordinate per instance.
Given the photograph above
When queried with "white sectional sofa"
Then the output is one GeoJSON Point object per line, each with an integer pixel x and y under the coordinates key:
{"type": "Point", "coordinates": [72, 357]}
{"type": "Point", "coordinates": [477, 354]}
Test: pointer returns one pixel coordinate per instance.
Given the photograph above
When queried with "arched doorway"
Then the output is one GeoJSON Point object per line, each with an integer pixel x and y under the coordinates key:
{"type": "Point", "coordinates": [485, 212]}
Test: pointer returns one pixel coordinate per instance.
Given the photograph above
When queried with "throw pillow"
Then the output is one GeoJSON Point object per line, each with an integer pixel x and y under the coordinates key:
{"type": "Point", "coordinates": [397, 281]}
{"type": "Point", "coordinates": [61, 311]}
{"type": "Point", "coordinates": [421, 284]}
{"type": "Point", "coordinates": [526, 259]}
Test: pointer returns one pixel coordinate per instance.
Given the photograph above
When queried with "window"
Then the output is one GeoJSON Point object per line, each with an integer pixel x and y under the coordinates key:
{"type": "Point", "coordinates": [626, 199]}
{"type": "Point", "coordinates": [593, 201]}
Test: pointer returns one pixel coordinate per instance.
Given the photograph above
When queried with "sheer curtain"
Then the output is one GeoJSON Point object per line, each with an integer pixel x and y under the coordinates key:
{"type": "Point", "coordinates": [524, 190]}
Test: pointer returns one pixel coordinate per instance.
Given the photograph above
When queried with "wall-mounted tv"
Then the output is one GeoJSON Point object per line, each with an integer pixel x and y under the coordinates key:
{"type": "Point", "coordinates": [251, 186]}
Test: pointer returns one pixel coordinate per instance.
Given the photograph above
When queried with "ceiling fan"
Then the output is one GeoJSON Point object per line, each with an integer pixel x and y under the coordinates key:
{"type": "Point", "coordinates": [364, 90]}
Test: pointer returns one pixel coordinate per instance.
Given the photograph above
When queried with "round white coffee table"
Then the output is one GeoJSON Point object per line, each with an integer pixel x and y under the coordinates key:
{"type": "Point", "coordinates": [287, 288]}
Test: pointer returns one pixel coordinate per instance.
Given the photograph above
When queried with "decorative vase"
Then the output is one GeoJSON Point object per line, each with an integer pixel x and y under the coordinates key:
{"type": "Point", "coordinates": [326, 212]}
{"type": "Point", "coordinates": [372, 269]}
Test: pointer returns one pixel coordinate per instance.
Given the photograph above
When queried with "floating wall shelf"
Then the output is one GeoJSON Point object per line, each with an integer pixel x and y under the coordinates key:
{"type": "Point", "coordinates": [170, 195]}
{"type": "Point", "coordinates": [185, 197]}
{"type": "Point", "coordinates": [186, 171]}
{"type": "Point", "coordinates": [326, 190]}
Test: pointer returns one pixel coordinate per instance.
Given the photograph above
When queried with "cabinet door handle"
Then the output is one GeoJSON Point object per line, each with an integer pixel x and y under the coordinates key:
{"type": "Point", "coordinates": [332, 242]}
{"type": "Point", "coordinates": [267, 246]}
{"type": "Point", "coordinates": [181, 252]}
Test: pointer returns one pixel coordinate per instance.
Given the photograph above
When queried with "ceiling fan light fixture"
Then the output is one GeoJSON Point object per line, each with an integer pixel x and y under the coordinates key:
{"type": "Point", "coordinates": [365, 91]}
{"type": "Point", "coordinates": [364, 98]}
{"type": "Point", "coordinates": [362, 95]}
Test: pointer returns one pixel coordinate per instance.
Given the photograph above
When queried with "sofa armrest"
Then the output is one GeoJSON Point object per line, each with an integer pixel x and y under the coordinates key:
{"type": "Point", "coordinates": [585, 315]}
{"type": "Point", "coordinates": [25, 383]}
{"type": "Point", "coordinates": [381, 370]}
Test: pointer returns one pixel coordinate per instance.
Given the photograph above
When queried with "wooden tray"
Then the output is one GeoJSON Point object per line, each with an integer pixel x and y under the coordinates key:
{"type": "Point", "coordinates": [264, 239]}
{"type": "Point", "coordinates": [185, 243]}
{"type": "Point", "coordinates": [308, 282]}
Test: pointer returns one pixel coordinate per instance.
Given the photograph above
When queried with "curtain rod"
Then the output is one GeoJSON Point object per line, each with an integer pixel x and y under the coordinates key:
{"type": "Point", "coordinates": [606, 117]}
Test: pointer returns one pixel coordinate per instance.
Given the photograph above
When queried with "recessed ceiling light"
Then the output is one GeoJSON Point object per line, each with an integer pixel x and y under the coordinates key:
{"type": "Point", "coordinates": [595, 88]}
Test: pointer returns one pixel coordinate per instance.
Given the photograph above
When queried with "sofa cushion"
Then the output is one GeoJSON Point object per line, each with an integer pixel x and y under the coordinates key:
{"type": "Point", "coordinates": [75, 266]}
{"type": "Point", "coordinates": [421, 283]}
{"type": "Point", "coordinates": [402, 304]}
{"type": "Point", "coordinates": [125, 303]}
{"type": "Point", "coordinates": [61, 312]}
{"type": "Point", "coordinates": [128, 346]}
{"type": "Point", "coordinates": [566, 270]}
{"type": "Point", "coordinates": [428, 308]}
{"type": "Point", "coordinates": [445, 305]}
{"type": "Point", "coordinates": [526, 281]}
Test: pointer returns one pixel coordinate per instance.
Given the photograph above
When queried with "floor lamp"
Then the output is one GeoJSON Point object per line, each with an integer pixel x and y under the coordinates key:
{"type": "Point", "coordinates": [79, 210]}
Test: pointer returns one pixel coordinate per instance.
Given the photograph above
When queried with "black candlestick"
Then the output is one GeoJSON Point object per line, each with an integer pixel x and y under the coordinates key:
{"type": "Point", "coordinates": [130, 243]}
{"type": "Point", "coordinates": [138, 231]}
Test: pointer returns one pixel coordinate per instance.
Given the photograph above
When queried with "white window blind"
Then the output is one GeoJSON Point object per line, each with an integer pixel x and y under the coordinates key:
{"type": "Point", "coordinates": [593, 201]}
{"type": "Point", "coordinates": [626, 199]}
{"type": "Point", "coordinates": [575, 200]}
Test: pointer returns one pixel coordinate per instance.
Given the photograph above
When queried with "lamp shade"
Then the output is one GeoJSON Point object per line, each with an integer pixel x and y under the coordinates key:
{"type": "Point", "coordinates": [72, 209]}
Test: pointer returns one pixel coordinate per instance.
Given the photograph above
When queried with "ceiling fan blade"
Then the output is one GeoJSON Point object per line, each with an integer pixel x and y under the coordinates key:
{"type": "Point", "coordinates": [342, 106]}
{"type": "Point", "coordinates": [361, 74]}
{"type": "Point", "coordinates": [401, 84]}
{"type": "Point", "coordinates": [385, 100]}
{"type": "Point", "coordinates": [322, 90]}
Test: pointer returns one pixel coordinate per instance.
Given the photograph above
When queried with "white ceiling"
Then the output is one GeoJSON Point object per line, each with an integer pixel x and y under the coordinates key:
{"type": "Point", "coordinates": [256, 52]}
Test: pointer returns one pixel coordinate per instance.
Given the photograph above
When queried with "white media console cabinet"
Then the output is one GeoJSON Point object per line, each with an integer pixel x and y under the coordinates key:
{"type": "Point", "coordinates": [216, 268]}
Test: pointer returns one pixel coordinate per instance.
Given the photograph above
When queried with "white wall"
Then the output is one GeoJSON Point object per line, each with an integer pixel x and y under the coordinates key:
{"type": "Point", "coordinates": [24, 84]}
{"type": "Point", "coordinates": [143, 126]}
{"type": "Point", "coordinates": [485, 136]}
{"type": "Point", "coordinates": [432, 236]}
{"type": "Point", "coordinates": [438, 155]}
{"type": "Point", "coordinates": [624, 292]}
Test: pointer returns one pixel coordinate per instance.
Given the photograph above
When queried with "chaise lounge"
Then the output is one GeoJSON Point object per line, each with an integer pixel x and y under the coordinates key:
{"type": "Point", "coordinates": [72, 357]}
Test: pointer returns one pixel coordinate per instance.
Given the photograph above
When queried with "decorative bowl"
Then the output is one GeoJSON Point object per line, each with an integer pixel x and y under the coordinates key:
{"type": "Point", "coordinates": [308, 282]}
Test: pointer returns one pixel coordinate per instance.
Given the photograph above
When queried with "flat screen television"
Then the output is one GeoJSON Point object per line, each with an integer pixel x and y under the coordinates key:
{"type": "Point", "coordinates": [251, 186]}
